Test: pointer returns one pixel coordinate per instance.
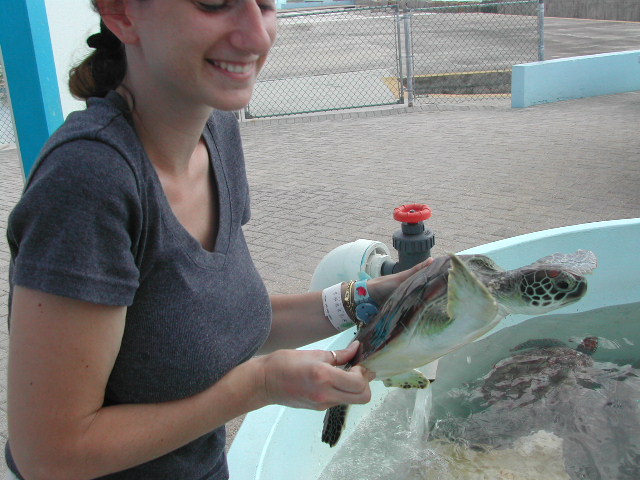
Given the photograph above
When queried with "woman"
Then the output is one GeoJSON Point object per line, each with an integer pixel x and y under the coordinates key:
{"type": "Point", "coordinates": [135, 307]}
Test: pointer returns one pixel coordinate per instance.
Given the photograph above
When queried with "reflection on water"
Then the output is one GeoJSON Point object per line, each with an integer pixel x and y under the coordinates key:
{"type": "Point", "coordinates": [526, 403]}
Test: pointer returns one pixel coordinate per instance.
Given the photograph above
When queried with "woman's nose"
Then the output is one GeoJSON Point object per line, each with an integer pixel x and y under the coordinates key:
{"type": "Point", "coordinates": [255, 29]}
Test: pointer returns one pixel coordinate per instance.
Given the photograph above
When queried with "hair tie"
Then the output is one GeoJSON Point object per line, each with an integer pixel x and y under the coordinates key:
{"type": "Point", "coordinates": [104, 40]}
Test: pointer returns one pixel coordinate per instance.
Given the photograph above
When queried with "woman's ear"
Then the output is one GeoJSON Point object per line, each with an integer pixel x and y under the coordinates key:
{"type": "Point", "coordinates": [116, 16]}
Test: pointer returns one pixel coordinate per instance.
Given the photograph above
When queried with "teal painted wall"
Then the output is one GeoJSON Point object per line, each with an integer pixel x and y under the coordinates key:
{"type": "Point", "coordinates": [575, 77]}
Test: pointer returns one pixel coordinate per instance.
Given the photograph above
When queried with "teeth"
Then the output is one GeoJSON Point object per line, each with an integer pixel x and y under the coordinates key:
{"type": "Point", "coordinates": [234, 67]}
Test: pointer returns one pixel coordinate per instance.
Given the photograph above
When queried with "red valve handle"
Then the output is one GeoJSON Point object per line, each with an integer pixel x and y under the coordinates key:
{"type": "Point", "coordinates": [412, 213]}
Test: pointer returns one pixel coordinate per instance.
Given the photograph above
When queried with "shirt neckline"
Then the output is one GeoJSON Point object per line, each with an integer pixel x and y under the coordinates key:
{"type": "Point", "coordinates": [192, 247]}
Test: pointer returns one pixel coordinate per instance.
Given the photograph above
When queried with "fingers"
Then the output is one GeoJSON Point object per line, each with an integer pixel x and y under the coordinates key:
{"type": "Point", "coordinates": [353, 382]}
{"type": "Point", "coordinates": [422, 264]}
{"type": "Point", "coordinates": [340, 357]}
{"type": "Point", "coordinates": [309, 379]}
{"type": "Point", "coordinates": [381, 287]}
{"type": "Point", "coordinates": [334, 358]}
{"type": "Point", "coordinates": [407, 273]}
{"type": "Point", "coordinates": [352, 386]}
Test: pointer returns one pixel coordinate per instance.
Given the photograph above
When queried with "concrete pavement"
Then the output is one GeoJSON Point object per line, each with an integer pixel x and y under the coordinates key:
{"type": "Point", "coordinates": [488, 173]}
{"type": "Point", "coordinates": [10, 189]}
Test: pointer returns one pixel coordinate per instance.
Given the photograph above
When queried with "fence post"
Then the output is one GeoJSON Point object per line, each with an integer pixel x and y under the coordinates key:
{"type": "Point", "coordinates": [409, 56]}
{"type": "Point", "coordinates": [540, 30]}
{"type": "Point", "coordinates": [399, 50]}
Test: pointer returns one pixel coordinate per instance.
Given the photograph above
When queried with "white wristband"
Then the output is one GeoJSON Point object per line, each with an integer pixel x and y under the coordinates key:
{"type": "Point", "coordinates": [334, 308]}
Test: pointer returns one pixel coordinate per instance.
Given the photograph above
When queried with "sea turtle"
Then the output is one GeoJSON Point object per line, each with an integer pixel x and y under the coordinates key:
{"type": "Point", "coordinates": [536, 367]}
{"type": "Point", "coordinates": [450, 303]}
{"type": "Point", "coordinates": [587, 403]}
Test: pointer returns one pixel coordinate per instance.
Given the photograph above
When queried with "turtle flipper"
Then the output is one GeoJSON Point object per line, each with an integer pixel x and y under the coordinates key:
{"type": "Point", "coordinates": [334, 424]}
{"type": "Point", "coordinates": [463, 285]}
{"type": "Point", "coordinates": [411, 379]}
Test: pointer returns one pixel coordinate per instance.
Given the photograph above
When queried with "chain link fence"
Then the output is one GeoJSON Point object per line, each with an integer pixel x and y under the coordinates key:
{"type": "Point", "coordinates": [330, 59]}
{"type": "Point", "coordinates": [342, 58]}
{"type": "Point", "coordinates": [7, 134]}
{"type": "Point", "coordinates": [465, 52]}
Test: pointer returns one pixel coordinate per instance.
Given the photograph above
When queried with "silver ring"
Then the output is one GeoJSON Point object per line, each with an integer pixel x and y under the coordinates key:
{"type": "Point", "coordinates": [335, 358]}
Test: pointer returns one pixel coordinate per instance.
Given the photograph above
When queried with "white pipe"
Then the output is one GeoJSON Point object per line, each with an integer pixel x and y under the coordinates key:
{"type": "Point", "coordinates": [351, 261]}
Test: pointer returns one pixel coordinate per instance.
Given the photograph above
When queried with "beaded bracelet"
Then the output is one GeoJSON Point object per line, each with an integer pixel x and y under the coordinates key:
{"type": "Point", "coordinates": [366, 308]}
{"type": "Point", "coordinates": [356, 307]}
{"type": "Point", "coordinates": [349, 300]}
{"type": "Point", "coordinates": [361, 293]}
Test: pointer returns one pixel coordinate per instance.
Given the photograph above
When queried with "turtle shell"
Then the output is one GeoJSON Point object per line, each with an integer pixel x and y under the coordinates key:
{"type": "Point", "coordinates": [424, 294]}
{"type": "Point", "coordinates": [427, 287]}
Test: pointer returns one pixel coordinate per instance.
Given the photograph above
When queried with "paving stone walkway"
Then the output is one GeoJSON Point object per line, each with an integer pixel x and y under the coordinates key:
{"type": "Point", "coordinates": [488, 173]}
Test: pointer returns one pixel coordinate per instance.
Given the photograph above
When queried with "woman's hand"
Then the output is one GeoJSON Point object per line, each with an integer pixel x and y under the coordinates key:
{"type": "Point", "coordinates": [309, 379]}
{"type": "Point", "coordinates": [381, 287]}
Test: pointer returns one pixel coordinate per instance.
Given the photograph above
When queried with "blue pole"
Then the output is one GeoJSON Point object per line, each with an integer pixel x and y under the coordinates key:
{"type": "Point", "coordinates": [31, 75]}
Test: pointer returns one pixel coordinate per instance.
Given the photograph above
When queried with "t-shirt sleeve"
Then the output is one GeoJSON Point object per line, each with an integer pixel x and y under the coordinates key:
{"type": "Point", "coordinates": [76, 229]}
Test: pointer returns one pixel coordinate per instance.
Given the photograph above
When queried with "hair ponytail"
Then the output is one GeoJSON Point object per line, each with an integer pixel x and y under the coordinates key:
{"type": "Point", "coordinates": [103, 70]}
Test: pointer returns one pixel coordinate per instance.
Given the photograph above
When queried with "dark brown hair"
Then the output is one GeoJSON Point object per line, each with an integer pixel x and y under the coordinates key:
{"type": "Point", "coordinates": [103, 70]}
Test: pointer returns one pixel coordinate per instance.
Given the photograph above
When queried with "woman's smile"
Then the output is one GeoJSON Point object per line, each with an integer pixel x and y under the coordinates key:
{"type": "Point", "coordinates": [233, 67]}
{"type": "Point", "coordinates": [214, 56]}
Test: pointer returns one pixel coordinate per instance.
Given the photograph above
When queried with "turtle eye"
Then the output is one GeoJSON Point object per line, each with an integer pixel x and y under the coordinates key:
{"type": "Point", "coordinates": [564, 284]}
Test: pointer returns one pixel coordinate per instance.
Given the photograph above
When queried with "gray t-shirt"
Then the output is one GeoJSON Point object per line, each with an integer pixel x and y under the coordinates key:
{"type": "Point", "coordinates": [94, 224]}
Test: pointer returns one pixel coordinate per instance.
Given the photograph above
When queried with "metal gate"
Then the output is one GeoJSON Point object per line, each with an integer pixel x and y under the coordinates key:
{"type": "Point", "coordinates": [342, 58]}
{"type": "Point", "coordinates": [331, 60]}
{"type": "Point", "coordinates": [465, 52]}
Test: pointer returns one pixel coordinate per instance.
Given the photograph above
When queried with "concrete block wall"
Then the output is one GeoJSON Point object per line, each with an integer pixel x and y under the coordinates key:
{"type": "Point", "coordinates": [575, 77]}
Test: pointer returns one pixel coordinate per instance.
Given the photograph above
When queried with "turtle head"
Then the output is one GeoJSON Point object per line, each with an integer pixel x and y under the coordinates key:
{"type": "Point", "coordinates": [541, 289]}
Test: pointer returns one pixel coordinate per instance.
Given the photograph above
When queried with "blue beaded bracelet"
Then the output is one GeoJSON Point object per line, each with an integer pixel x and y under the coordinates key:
{"type": "Point", "coordinates": [366, 308]}
{"type": "Point", "coordinates": [366, 311]}
{"type": "Point", "coordinates": [361, 293]}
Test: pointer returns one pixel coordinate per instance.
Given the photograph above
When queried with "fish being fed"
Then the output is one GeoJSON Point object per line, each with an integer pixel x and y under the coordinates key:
{"type": "Point", "coordinates": [450, 303]}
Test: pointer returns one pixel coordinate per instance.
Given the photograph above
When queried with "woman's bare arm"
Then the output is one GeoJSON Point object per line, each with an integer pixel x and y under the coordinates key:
{"type": "Point", "coordinates": [299, 319]}
{"type": "Point", "coordinates": [60, 357]}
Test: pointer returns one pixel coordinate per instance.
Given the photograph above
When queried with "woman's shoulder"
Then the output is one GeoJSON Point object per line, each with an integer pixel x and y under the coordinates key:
{"type": "Point", "coordinates": [99, 138]}
{"type": "Point", "coordinates": [105, 120]}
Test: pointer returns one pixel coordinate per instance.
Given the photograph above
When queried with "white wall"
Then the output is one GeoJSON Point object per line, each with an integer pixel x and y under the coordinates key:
{"type": "Point", "coordinates": [70, 23]}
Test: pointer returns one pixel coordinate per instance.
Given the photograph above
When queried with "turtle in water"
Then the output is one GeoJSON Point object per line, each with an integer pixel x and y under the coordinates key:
{"type": "Point", "coordinates": [590, 406]}
{"type": "Point", "coordinates": [536, 367]}
{"type": "Point", "coordinates": [450, 303]}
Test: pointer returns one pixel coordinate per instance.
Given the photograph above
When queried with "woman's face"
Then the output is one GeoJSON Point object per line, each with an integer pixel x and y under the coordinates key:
{"type": "Point", "coordinates": [206, 52]}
